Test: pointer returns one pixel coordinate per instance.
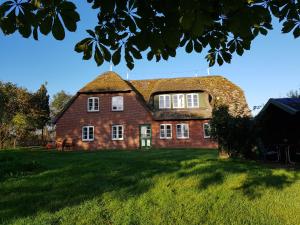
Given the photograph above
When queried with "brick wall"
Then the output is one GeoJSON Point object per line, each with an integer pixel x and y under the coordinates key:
{"type": "Point", "coordinates": [134, 114]}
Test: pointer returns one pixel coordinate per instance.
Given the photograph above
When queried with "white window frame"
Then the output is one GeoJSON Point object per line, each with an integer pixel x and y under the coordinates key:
{"type": "Point", "coordinates": [178, 106]}
{"type": "Point", "coordinates": [164, 101]}
{"type": "Point", "coordinates": [94, 99]}
{"type": "Point", "coordinates": [118, 107]}
{"type": "Point", "coordinates": [117, 132]}
{"type": "Point", "coordinates": [182, 131]}
{"type": "Point", "coordinates": [206, 124]}
{"type": "Point", "coordinates": [165, 131]}
{"type": "Point", "coordinates": [87, 133]}
{"type": "Point", "coordinates": [192, 98]}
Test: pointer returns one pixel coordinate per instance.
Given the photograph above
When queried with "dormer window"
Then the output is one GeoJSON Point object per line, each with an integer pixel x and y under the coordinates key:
{"type": "Point", "coordinates": [192, 100]}
{"type": "Point", "coordinates": [178, 101]}
{"type": "Point", "coordinates": [164, 101]}
{"type": "Point", "coordinates": [117, 103]}
{"type": "Point", "coordinates": [93, 104]}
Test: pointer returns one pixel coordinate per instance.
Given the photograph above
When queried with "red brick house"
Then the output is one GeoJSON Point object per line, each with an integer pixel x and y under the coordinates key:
{"type": "Point", "coordinates": [112, 113]}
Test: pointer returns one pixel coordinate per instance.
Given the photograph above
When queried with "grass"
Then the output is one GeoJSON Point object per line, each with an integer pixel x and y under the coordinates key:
{"type": "Point", "coordinates": [144, 187]}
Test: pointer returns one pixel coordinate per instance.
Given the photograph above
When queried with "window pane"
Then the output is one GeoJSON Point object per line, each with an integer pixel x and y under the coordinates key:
{"type": "Point", "coordinates": [185, 130]}
{"type": "Point", "coordinates": [161, 102]}
{"type": "Point", "coordinates": [178, 130]}
{"type": "Point", "coordinates": [84, 133]}
{"type": "Point", "coordinates": [189, 101]}
{"type": "Point", "coordinates": [175, 101]}
{"type": "Point", "coordinates": [91, 133]}
{"type": "Point", "coordinates": [181, 101]}
{"type": "Point", "coordinates": [168, 131]}
{"type": "Point", "coordinates": [167, 101]}
{"type": "Point", "coordinates": [96, 104]}
{"type": "Point", "coordinates": [195, 100]}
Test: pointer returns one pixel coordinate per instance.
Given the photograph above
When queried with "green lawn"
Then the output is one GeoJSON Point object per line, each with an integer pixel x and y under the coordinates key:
{"type": "Point", "coordinates": [144, 187]}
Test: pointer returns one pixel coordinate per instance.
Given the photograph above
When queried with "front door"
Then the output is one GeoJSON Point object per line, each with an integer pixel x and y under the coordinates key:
{"type": "Point", "coordinates": [145, 136]}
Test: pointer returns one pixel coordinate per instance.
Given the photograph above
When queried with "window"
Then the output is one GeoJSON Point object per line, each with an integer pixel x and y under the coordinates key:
{"type": "Point", "coordinates": [182, 130]}
{"type": "Point", "coordinates": [117, 132]}
{"type": "Point", "coordinates": [88, 133]}
{"type": "Point", "coordinates": [178, 101]}
{"type": "Point", "coordinates": [93, 104]}
{"type": "Point", "coordinates": [192, 100]}
{"type": "Point", "coordinates": [165, 131]}
{"type": "Point", "coordinates": [164, 101]}
{"type": "Point", "coordinates": [206, 130]}
{"type": "Point", "coordinates": [117, 103]}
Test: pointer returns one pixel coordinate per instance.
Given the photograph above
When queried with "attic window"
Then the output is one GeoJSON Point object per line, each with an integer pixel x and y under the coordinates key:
{"type": "Point", "coordinates": [192, 100]}
{"type": "Point", "coordinates": [117, 103]}
{"type": "Point", "coordinates": [93, 104]}
{"type": "Point", "coordinates": [164, 101]}
{"type": "Point", "coordinates": [178, 101]}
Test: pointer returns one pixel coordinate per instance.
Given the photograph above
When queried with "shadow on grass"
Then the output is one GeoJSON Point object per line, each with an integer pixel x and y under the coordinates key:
{"type": "Point", "coordinates": [71, 178]}
{"type": "Point", "coordinates": [257, 177]}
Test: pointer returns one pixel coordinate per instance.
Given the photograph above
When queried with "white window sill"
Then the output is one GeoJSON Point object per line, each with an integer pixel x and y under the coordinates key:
{"type": "Point", "coordinates": [87, 140]}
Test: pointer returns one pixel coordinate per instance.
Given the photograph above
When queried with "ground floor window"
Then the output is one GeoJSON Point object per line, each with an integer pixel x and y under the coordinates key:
{"type": "Point", "coordinates": [88, 133]}
{"type": "Point", "coordinates": [117, 132]}
{"type": "Point", "coordinates": [182, 130]}
{"type": "Point", "coordinates": [206, 130]}
{"type": "Point", "coordinates": [165, 131]}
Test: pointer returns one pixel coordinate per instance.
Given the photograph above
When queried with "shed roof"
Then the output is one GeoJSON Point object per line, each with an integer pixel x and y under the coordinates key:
{"type": "Point", "coordinates": [289, 105]}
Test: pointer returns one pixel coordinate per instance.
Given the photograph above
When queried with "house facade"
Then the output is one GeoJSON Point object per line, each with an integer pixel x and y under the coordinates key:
{"type": "Point", "coordinates": [112, 113]}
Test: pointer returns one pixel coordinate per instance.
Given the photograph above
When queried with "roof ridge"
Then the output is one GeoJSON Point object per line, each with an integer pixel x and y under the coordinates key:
{"type": "Point", "coordinates": [207, 76]}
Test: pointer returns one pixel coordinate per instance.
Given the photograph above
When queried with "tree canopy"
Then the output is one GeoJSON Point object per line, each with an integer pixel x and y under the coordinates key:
{"type": "Point", "coordinates": [59, 101]}
{"type": "Point", "coordinates": [157, 27]}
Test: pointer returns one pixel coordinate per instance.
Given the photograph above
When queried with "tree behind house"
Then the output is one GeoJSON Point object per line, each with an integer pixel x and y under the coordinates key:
{"type": "Point", "coordinates": [60, 99]}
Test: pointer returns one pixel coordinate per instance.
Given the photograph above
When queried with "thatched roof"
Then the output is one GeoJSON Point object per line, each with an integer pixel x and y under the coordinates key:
{"type": "Point", "coordinates": [222, 90]}
{"type": "Point", "coordinates": [106, 82]}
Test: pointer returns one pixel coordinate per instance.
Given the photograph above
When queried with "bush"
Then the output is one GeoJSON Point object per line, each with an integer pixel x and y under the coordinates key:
{"type": "Point", "coordinates": [236, 135]}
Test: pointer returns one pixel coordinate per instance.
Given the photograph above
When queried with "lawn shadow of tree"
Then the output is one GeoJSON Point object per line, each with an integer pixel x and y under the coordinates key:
{"type": "Point", "coordinates": [89, 175]}
{"type": "Point", "coordinates": [257, 177]}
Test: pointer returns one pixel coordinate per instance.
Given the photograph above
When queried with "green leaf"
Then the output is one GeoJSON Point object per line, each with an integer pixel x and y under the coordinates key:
{"type": "Point", "coordinates": [46, 25]}
{"type": "Point", "coordinates": [58, 31]}
{"type": "Point", "coordinates": [88, 52]}
{"type": "Point", "coordinates": [150, 55]}
{"type": "Point", "coordinates": [82, 45]}
{"type": "Point", "coordinates": [263, 31]}
{"type": "Point", "coordinates": [296, 32]}
{"type": "Point", "coordinates": [288, 26]}
{"type": "Point", "coordinates": [92, 33]}
{"type": "Point", "coordinates": [98, 56]}
{"type": "Point", "coordinates": [116, 57]}
{"type": "Point", "coordinates": [136, 54]}
{"type": "Point", "coordinates": [70, 18]}
{"type": "Point", "coordinates": [220, 60]}
{"type": "Point", "coordinates": [226, 56]}
{"type": "Point", "coordinates": [189, 47]}
{"type": "Point", "coordinates": [35, 34]}
{"type": "Point", "coordinates": [106, 53]}
{"type": "Point", "coordinates": [197, 46]}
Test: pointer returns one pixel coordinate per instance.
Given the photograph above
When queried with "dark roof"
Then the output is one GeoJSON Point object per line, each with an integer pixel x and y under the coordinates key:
{"type": "Point", "coordinates": [289, 105]}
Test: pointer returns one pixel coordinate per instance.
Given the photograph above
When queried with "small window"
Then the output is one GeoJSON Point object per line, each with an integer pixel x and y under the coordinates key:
{"type": "Point", "coordinates": [164, 101]}
{"type": "Point", "coordinates": [117, 103]}
{"type": "Point", "coordinates": [88, 133]}
{"type": "Point", "coordinates": [117, 132]}
{"type": "Point", "coordinates": [165, 131]}
{"type": "Point", "coordinates": [178, 101]}
{"type": "Point", "coordinates": [192, 100]}
{"type": "Point", "coordinates": [206, 130]}
{"type": "Point", "coordinates": [93, 104]}
{"type": "Point", "coordinates": [182, 131]}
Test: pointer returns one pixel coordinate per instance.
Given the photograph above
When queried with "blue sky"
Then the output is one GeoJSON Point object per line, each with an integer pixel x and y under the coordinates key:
{"type": "Point", "coordinates": [270, 69]}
